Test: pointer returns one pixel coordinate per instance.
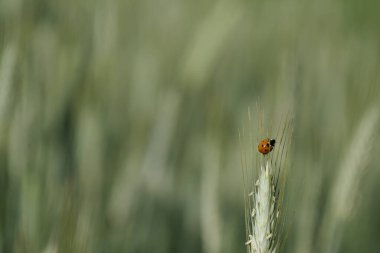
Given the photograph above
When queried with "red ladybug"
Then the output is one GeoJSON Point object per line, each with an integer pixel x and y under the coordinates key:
{"type": "Point", "coordinates": [266, 146]}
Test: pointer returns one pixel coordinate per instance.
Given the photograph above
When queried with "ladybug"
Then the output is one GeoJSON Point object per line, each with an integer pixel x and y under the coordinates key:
{"type": "Point", "coordinates": [266, 146]}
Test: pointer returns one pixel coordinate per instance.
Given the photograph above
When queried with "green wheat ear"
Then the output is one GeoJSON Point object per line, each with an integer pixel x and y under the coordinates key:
{"type": "Point", "coordinates": [264, 184]}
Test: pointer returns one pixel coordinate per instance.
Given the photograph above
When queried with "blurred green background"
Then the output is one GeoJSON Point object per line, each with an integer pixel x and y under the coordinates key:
{"type": "Point", "coordinates": [119, 119]}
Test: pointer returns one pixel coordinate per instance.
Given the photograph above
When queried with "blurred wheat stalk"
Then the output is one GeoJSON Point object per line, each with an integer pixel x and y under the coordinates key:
{"type": "Point", "coordinates": [345, 188]}
{"type": "Point", "coordinates": [264, 190]}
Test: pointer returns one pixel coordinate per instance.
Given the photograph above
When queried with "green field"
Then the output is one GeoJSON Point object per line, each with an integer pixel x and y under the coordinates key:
{"type": "Point", "coordinates": [119, 122]}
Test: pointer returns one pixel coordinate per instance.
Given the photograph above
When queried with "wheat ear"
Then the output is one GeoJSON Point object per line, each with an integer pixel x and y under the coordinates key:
{"type": "Point", "coordinates": [264, 195]}
{"type": "Point", "coordinates": [263, 212]}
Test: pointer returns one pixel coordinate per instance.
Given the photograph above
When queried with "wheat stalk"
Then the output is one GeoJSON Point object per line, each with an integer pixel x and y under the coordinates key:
{"type": "Point", "coordinates": [342, 200]}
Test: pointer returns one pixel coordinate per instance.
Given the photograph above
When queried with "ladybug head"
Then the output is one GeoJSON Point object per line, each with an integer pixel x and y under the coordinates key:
{"type": "Point", "coordinates": [272, 142]}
